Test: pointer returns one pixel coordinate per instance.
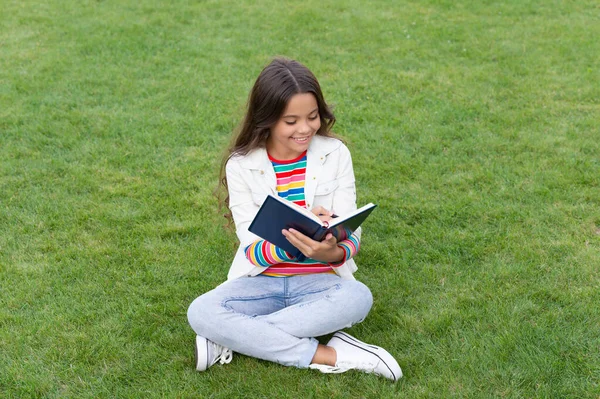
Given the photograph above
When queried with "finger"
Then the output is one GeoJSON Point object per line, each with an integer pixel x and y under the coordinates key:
{"type": "Point", "coordinates": [297, 238]}
{"type": "Point", "coordinates": [330, 239]}
{"type": "Point", "coordinates": [300, 241]}
{"type": "Point", "coordinates": [298, 235]}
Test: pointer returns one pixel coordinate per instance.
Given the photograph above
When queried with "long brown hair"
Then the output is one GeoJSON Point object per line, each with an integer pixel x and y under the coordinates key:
{"type": "Point", "coordinates": [273, 89]}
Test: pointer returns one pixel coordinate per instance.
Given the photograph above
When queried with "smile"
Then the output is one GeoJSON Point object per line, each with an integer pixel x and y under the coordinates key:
{"type": "Point", "coordinates": [301, 139]}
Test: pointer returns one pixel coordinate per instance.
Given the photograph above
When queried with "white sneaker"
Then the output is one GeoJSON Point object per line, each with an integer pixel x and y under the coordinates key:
{"type": "Point", "coordinates": [354, 354]}
{"type": "Point", "coordinates": [208, 353]}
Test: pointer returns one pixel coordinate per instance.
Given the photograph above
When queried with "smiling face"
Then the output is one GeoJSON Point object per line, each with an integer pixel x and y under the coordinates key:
{"type": "Point", "coordinates": [293, 131]}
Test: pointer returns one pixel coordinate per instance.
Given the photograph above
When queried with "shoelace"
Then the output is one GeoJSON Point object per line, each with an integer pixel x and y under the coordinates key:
{"type": "Point", "coordinates": [223, 355]}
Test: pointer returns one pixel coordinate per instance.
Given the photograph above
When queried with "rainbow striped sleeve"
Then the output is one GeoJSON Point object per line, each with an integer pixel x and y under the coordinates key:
{"type": "Point", "coordinates": [351, 245]}
{"type": "Point", "coordinates": [263, 253]}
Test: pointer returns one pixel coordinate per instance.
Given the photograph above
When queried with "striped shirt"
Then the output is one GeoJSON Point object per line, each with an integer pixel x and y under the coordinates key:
{"type": "Point", "coordinates": [290, 177]}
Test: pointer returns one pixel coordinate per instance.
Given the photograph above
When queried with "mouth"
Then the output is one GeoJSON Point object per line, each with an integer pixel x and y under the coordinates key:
{"type": "Point", "coordinates": [301, 140]}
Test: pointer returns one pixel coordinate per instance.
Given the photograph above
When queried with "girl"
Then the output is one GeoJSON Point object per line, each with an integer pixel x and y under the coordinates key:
{"type": "Point", "coordinates": [272, 306]}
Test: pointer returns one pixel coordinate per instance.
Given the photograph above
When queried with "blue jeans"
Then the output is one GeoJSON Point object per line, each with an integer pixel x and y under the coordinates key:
{"type": "Point", "coordinates": [276, 319]}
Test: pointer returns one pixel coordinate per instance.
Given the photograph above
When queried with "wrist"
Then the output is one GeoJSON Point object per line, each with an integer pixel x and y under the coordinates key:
{"type": "Point", "coordinates": [339, 257]}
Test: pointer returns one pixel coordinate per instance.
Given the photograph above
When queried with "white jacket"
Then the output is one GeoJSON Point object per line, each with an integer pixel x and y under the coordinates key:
{"type": "Point", "coordinates": [329, 183]}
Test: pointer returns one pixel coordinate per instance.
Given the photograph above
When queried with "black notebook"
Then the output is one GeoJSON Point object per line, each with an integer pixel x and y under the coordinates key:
{"type": "Point", "coordinates": [277, 214]}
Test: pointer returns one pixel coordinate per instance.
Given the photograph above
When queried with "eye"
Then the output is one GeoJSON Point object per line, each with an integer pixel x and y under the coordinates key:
{"type": "Point", "coordinates": [312, 118]}
{"type": "Point", "coordinates": [290, 123]}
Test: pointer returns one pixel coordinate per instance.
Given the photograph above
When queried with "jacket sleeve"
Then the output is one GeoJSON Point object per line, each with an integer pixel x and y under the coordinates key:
{"type": "Point", "coordinates": [243, 208]}
{"type": "Point", "coordinates": [344, 199]}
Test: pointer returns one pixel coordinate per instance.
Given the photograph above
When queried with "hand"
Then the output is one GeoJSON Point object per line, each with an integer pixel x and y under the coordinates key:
{"type": "Point", "coordinates": [324, 251]}
{"type": "Point", "coordinates": [323, 214]}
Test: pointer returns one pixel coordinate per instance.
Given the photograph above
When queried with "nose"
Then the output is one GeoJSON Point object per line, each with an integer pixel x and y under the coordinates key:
{"type": "Point", "coordinates": [303, 127]}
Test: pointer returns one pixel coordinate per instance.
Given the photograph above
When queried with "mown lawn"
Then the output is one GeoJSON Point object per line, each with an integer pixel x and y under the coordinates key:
{"type": "Point", "coordinates": [473, 126]}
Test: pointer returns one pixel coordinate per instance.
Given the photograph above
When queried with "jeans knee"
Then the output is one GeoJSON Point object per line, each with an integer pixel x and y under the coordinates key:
{"type": "Point", "coordinates": [199, 314]}
{"type": "Point", "coordinates": [359, 300]}
{"type": "Point", "coordinates": [366, 298]}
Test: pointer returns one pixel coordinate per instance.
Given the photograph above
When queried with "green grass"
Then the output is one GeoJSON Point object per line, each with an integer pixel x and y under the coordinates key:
{"type": "Point", "coordinates": [473, 125]}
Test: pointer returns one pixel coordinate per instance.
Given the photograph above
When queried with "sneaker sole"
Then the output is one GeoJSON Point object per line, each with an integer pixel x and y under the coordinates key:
{"type": "Point", "coordinates": [200, 342]}
{"type": "Point", "coordinates": [381, 353]}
